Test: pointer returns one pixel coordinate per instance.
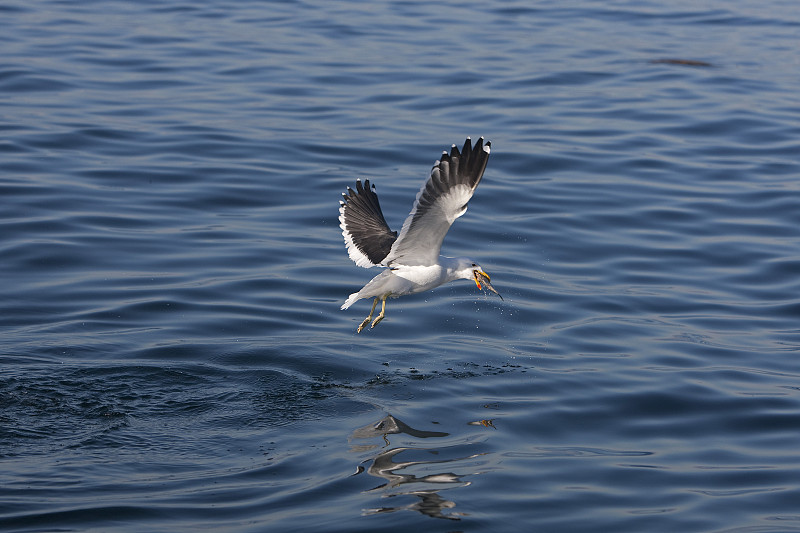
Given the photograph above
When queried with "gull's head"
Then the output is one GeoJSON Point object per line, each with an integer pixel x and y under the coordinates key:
{"type": "Point", "coordinates": [468, 269]}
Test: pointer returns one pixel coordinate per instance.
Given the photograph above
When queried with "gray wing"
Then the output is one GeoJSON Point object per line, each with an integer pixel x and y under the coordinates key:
{"type": "Point", "coordinates": [441, 200]}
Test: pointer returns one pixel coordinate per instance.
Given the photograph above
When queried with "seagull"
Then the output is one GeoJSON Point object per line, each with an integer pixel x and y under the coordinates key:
{"type": "Point", "coordinates": [411, 260]}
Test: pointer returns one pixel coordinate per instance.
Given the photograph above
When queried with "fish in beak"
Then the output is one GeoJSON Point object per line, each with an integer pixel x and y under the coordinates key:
{"type": "Point", "coordinates": [483, 277]}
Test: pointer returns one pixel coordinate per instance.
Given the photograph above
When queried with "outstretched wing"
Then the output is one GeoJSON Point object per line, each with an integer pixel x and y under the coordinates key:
{"type": "Point", "coordinates": [441, 200]}
{"type": "Point", "coordinates": [366, 233]}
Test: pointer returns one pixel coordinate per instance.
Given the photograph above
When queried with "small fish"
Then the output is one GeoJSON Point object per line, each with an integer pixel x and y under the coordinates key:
{"type": "Point", "coordinates": [483, 277]}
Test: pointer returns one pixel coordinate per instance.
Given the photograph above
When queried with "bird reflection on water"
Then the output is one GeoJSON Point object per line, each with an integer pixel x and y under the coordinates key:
{"type": "Point", "coordinates": [426, 488]}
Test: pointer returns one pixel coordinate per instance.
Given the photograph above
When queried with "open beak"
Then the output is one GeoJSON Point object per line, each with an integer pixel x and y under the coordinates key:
{"type": "Point", "coordinates": [483, 277]}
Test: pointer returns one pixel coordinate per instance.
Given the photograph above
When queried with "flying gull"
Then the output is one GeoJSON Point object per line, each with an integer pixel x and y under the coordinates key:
{"type": "Point", "coordinates": [412, 259]}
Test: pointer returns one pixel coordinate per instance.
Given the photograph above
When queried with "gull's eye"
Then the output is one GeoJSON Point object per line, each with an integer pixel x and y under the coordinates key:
{"type": "Point", "coordinates": [473, 264]}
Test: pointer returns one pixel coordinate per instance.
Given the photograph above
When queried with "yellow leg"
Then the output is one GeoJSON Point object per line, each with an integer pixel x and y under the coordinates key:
{"type": "Point", "coordinates": [380, 316]}
{"type": "Point", "coordinates": [366, 320]}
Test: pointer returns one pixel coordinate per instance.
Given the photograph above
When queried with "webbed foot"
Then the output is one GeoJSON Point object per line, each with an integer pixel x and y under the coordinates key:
{"type": "Point", "coordinates": [380, 316]}
{"type": "Point", "coordinates": [371, 311]}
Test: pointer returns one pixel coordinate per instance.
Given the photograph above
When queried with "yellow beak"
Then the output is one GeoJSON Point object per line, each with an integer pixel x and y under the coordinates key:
{"type": "Point", "coordinates": [478, 274]}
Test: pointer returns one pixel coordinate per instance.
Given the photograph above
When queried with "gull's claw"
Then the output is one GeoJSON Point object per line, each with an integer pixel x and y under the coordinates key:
{"type": "Point", "coordinates": [371, 312]}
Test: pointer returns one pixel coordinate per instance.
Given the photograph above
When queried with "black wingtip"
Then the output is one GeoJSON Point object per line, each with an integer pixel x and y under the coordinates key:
{"type": "Point", "coordinates": [454, 151]}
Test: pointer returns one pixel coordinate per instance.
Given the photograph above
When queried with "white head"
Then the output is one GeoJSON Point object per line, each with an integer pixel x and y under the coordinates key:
{"type": "Point", "coordinates": [469, 269]}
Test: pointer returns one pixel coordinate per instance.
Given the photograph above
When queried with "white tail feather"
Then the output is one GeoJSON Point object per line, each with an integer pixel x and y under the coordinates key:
{"type": "Point", "coordinates": [350, 301]}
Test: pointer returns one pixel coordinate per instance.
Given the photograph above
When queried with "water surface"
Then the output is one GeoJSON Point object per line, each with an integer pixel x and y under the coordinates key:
{"type": "Point", "coordinates": [173, 353]}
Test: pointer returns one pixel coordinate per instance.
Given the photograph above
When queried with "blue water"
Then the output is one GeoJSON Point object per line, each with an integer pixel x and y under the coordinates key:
{"type": "Point", "coordinates": [173, 354]}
